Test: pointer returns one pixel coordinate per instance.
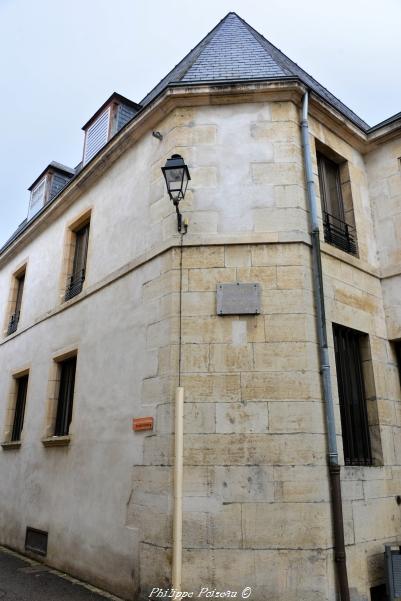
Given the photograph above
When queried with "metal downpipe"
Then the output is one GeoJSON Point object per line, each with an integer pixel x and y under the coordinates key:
{"type": "Point", "coordinates": [318, 291]}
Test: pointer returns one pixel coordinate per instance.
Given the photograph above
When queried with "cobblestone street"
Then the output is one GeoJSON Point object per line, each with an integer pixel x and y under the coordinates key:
{"type": "Point", "coordinates": [25, 580]}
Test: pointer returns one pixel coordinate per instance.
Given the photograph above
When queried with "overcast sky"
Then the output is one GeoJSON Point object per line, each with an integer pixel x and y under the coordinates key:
{"type": "Point", "coordinates": [60, 59]}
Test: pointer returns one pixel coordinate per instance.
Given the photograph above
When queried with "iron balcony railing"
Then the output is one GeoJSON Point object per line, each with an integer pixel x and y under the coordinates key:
{"type": "Point", "coordinates": [339, 234]}
{"type": "Point", "coordinates": [75, 284]}
{"type": "Point", "coordinates": [13, 323]}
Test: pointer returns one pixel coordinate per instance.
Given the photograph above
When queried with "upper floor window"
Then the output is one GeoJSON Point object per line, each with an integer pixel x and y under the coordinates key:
{"type": "Point", "coordinates": [19, 409]}
{"type": "Point", "coordinates": [77, 276]}
{"type": "Point", "coordinates": [49, 183]}
{"type": "Point", "coordinates": [65, 399]}
{"type": "Point", "coordinates": [15, 414]}
{"type": "Point", "coordinates": [106, 122]}
{"type": "Point", "coordinates": [348, 346]}
{"type": "Point", "coordinates": [16, 301]}
{"type": "Point", "coordinates": [338, 218]}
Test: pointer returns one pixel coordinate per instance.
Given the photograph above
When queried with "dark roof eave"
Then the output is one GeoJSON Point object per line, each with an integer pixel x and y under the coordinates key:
{"type": "Point", "coordinates": [227, 81]}
{"type": "Point", "coordinates": [388, 121]}
{"type": "Point", "coordinates": [286, 79]}
{"type": "Point", "coordinates": [50, 167]}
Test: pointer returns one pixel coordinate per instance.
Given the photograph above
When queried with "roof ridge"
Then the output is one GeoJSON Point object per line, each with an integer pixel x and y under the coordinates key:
{"type": "Point", "coordinates": [280, 56]}
{"type": "Point", "coordinates": [256, 35]}
{"type": "Point", "coordinates": [195, 52]}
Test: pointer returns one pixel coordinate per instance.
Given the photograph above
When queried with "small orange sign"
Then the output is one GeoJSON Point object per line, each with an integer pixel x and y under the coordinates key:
{"type": "Point", "coordinates": [142, 423]}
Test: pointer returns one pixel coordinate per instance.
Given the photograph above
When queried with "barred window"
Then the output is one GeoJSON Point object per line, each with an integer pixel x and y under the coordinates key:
{"type": "Point", "coordinates": [351, 391]}
{"type": "Point", "coordinates": [19, 411]}
{"type": "Point", "coordinates": [77, 277]}
{"type": "Point", "coordinates": [18, 289]}
{"type": "Point", "coordinates": [338, 231]}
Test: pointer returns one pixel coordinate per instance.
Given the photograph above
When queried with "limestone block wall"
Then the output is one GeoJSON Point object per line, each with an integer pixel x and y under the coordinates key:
{"type": "Point", "coordinates": [256, 498]}
{"type": "Point", "coordinates": [384, 171]}
{"type": "Point", "coordinates": [245, 162]}
{"type": "Point", "coordinates": [371, 514]}
{"type": "Point", "coordinates": [256, 490]}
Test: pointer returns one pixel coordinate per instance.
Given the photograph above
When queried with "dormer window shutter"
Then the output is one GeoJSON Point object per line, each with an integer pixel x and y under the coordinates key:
{"type": "Point", "coordinates": [37, 198]}
{"type": "Point", "coordinates": [97, 135]}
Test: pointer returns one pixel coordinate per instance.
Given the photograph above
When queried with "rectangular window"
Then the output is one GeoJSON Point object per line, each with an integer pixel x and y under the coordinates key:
{"type": "Point", "coordinates": [19, 412]}
{"type": "Point", "coordinates": [17, 301]}
{"type": "Point", "coordinates": [354, 416]}
{"type": "Point", "coordinates": [65, 396]}
{"type": "Point", "coordinates": [336, 229]}
{"type": "Point", "coordinates": [77, 277]}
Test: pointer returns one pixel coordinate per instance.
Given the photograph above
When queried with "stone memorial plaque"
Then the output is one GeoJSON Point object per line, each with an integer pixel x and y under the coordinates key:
{"type": "Point", "coordinates": [238, 299]}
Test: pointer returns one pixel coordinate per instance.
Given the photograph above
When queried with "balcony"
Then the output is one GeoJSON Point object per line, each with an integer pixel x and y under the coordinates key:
{"type": "Point", "coordinates": [339, 234]}
{"type": "Point", "coordinates": [13, 323]}
{"type": "Point", "coordinates": [74, 285]}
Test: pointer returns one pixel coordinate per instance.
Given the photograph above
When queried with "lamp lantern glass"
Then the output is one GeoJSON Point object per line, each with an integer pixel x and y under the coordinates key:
{"type": "Point", "coordinates": [176, 174]}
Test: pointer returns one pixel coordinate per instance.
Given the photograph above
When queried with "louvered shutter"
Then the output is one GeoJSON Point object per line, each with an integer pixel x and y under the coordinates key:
{"type": "Point", "coordinates": [37, 198]}
{"type": "Point", "coordinates": [96, 136]}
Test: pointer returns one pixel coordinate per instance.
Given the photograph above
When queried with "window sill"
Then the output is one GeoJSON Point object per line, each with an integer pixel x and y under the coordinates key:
{"type": "Point", "coordinates": [361, 264]}
{"type": "Point", "coordinates": [11, 444]}
{"type": "Point", "coordinates": [56, 441]}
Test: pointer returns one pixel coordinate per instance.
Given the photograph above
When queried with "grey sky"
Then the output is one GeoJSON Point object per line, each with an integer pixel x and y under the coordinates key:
{"type": "Point", "coordinates": [60, 59]}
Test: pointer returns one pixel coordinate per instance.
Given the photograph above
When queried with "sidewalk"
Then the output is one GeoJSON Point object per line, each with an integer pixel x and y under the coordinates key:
{"type": "Point", "coordinates": [22, 579]}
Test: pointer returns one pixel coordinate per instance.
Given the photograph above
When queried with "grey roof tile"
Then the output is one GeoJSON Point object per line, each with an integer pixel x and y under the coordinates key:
{"type": "Point", "coordinates": [233, 50]}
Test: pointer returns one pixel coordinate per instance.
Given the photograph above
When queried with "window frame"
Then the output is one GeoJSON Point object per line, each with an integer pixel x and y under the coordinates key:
{"type": "Point", "coordinates": [356, 435]}
{"type": "Point", "coordinates": [49, 439]}
{"type": "Point", "coordinates": [339, 224]}
{"type": "Point", "coordinates": [16, 296]}
{"type": "Point", "coordinates": [65, 396]}
{"type": "Point", "coordinates": [324, 163]}
{"type": "Point", "coordinates": [21, 395]}
{"type": "Point", "coordinates": [9, 439]}
{"type": "Point", "coordinates": [78, 260]}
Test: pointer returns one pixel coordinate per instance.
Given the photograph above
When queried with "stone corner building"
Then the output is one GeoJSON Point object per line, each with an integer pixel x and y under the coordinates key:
{"type": "Point", "coordinates": [92, 333]}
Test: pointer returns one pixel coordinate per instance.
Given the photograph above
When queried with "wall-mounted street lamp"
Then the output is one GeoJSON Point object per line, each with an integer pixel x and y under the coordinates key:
{"type": "Point", "coordinates": [176, 174]}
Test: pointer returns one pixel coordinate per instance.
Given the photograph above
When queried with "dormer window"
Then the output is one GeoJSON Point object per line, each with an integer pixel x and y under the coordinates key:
{"type": "Point", "coordinates": [106, 122]}
{"type": "Point", "coordinates": [49, 183]}
{"type": "Point", "coordinates": [97, 135]}
{"type": "Point", "coordinates": [37, 196]}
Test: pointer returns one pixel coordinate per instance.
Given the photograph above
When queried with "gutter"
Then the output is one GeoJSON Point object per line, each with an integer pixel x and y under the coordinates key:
{"type": "Point", "coordinates": [318, 292]}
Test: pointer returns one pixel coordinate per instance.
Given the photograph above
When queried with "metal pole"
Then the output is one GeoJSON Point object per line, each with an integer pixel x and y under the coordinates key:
{"type": "Point", "coordinates": [333, 464]}
{"type": "Point", "coordinates": [178, 446]}
{"type": "Point", "coordinates": [178, 473]}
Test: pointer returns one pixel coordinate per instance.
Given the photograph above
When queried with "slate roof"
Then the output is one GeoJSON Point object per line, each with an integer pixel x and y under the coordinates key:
{"type": "Point", "coordinates": [234, 51]}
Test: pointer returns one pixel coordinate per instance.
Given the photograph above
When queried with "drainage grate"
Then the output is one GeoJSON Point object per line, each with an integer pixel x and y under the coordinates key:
{"type": "Point", "coordinates": [36, 541]}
